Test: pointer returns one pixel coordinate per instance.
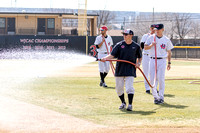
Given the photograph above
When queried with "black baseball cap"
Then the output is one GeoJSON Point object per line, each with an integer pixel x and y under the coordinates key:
{"type": "Point", "coordinates": [159, 26]}
{"type": "Point", "coordinates": [128, 31]}
{"type": "Point", "coordinates": [153, 25]}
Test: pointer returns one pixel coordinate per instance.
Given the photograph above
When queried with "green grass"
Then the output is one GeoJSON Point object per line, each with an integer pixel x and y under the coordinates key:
{"type": "Point", "coordinates": [83, 98]}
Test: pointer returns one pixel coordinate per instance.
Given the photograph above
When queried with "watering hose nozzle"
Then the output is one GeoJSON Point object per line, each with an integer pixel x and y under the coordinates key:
{"type": "Point", "coordinates": [98, 59]}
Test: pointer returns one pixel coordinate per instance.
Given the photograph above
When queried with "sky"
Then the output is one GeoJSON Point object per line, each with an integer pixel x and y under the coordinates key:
{"type": "Point", "coordinates": [187, 6]}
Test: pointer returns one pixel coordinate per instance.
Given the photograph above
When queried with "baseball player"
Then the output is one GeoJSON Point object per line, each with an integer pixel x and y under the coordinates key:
{"type": "Point", "coordinates": [163, 47]}
{"type": "Point", "coordinates": [125, 72]}
{"type": "Point", "coordinates": [103, 43]}
{"type": "Point", "coordinates": [145, 57]}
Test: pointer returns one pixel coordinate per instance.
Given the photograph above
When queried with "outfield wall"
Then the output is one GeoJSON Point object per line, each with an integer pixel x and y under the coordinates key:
{"type": "Point", "coordinates": [80, 44]}
{"type": "Point", "coordinates": [31, 42]}
{"type": "Point", "coordinates": [52, 42]}
{"type": "Point", "coordinates": [190, 52]}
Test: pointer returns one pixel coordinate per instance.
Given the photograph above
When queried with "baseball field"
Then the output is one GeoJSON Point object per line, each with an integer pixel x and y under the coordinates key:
{"type": "Point", "coordinates": [69, 99]}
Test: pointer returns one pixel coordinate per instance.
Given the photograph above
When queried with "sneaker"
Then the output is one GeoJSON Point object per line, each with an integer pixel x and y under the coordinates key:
{"type": "Point", "coordinates": [148, 91]}
{"type": "Point", "coordinates": [101, 83]}
{"type": "Point", "coordinates": [129, 108]}
{"type": "Point", "coordinates": [123, 106]}
{"type": "Point", "coordinates": [156, 101]}
{"type": "Point", "coordinates": [104, 85]}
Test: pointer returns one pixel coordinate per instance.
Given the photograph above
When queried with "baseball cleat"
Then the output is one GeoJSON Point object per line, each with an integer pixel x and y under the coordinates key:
{"type": "Point", "coordinates": [104, 85]}
{"type": "Point", "coordinates": [101, 83]}
{"type": "Point", "coordinates": [123, 106]}
{"type": "Point", "coordinates": [148, 91]}
{"type": "Point", "coordinates": [129, 108]}
{"type": "Point", "coordinates": [161, 101]}
{"type": "Point", "coordinates": [156, 101]}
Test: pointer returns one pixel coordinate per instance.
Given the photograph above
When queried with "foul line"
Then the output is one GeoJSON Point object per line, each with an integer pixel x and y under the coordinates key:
{"type": "Point", "coordinates": [192, 82]}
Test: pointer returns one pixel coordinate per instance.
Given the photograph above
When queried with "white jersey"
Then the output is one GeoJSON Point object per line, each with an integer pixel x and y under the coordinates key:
{"type": "Point", "coordinates": [144, 38]}
{"type": "Point", "coordinates": [109, 43]}
{"type": "Point", "coordinates": [163, 44]}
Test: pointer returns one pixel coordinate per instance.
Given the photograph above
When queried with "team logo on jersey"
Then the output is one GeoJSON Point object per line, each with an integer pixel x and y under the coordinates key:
{"type": "Point", "coordinates": [163, 46]}
{"type": "Point", "coordinates": [122, 46]}
{"type": "Point", "coordinates": [109, 44]}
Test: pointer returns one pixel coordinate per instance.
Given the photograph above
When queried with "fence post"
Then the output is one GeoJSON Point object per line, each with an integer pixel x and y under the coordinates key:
{"type": "Point", "coordinates": [186, 52]}
{"type": "Point", "coordinates": [86, 38]}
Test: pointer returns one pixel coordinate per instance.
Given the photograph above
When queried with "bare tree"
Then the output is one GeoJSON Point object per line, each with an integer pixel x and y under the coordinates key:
{"type": "Point", "coordinates": [166, 19]}
{"type": "Point", "coordinates": [182, 25]}
{"type": "Point", "coordinates": [195, 28]}
{"type": "Point", "coordinates": [88, 26]}
{"type": "Point", "coordinates": [105, 17]}
{"type": "Point", "coordinates": [141, 25]}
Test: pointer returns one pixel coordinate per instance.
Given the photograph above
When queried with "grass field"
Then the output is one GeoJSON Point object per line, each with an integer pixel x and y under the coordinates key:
{"type": "Point", "coordinates": [83, 98]}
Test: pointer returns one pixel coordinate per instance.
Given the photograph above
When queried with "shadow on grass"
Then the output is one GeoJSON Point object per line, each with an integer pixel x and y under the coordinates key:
{"type": "Point", "coordinates": [173, 106]}
{"type": "Point", "coordinates": [139, 112]}
{"type": "Point", "coordinates": [109, 87]}
{"type": "Point", "coordinates": [169, 95]}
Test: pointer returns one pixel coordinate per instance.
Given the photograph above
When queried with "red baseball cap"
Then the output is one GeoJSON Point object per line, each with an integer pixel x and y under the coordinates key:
{"type": "Point", "coordinates": [103, 28]}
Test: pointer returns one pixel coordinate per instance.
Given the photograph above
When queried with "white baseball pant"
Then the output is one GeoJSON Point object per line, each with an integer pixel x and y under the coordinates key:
{"type": "Point", "coordinates": [103, 66]}
{"type": "Point", "coordinates": [161, 66]}
{"type": "Point", "coordinates": [128, 80]}
{"type": "Point", "coordinates": [145, 67]}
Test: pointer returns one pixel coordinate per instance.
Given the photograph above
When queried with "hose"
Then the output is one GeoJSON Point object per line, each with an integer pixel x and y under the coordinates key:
{"type": "Point", "coordinates": [133, 65]}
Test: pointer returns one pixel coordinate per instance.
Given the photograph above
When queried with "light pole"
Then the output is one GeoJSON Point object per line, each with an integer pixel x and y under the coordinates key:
{"type": "Point", "coordinates": [153, 15]}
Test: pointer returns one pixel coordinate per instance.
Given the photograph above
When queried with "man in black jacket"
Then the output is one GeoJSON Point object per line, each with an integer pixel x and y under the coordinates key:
{"type": "Point", "coordinates": [125, 72]}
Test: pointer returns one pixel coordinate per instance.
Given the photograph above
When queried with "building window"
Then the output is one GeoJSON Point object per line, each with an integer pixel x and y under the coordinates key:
{"type": "Point", "coordinates": [51, 23]}
{"type": "Point", "coordinates": [2, 22]}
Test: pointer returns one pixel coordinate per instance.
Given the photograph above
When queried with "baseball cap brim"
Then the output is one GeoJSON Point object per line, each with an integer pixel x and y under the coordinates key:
{"type": "Point", "coordinates": [128, 31]}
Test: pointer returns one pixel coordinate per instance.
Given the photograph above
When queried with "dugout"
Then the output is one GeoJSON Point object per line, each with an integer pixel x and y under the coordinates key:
{"type": "Point", "coordinates": [43, 21]}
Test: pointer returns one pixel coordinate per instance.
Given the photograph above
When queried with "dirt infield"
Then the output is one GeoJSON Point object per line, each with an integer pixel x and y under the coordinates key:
{"type": "Point", "coordinates": [17, 116]}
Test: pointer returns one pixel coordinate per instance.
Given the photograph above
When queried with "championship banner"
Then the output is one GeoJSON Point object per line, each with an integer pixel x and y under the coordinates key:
{"type": "Point", "coordinates": [53, 42]}
{"type": "Point", "coordinates": [47, 42]}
